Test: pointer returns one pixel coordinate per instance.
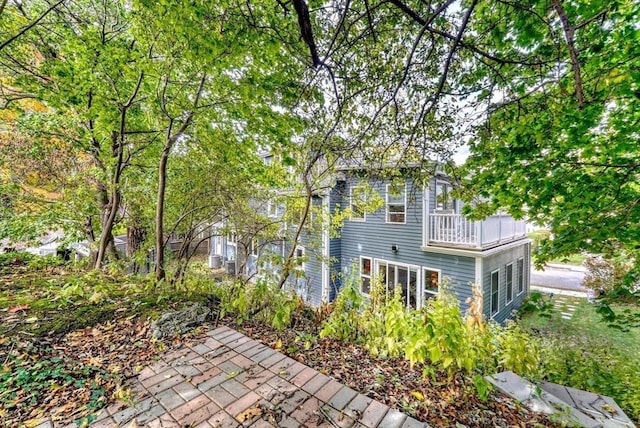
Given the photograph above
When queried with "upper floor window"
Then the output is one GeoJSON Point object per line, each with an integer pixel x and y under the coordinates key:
{"type": "Point", "coordinates": [396, 203]}
{"type": "Point", "coordinates": [444, 201]}
{"type": "Point", "coordinates": [357, 201]}
{"type": "Point", "coordinates": [272, 209]}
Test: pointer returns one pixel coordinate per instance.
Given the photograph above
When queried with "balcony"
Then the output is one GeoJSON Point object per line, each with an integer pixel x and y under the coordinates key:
{"type": "Point", "coordinates": [454, 230]}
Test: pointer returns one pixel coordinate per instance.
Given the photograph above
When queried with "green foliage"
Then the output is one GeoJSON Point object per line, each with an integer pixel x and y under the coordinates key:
{"type": "Point", "coordinates": [344, 321]}
{"type": "Point", "coordinates": [435, 337]}
{"type": "Point", "coordinates": [586, 353]}
{"type": "Point", "coordinates": [23, 379]}
{"type": "Point", "coordinates": [538, 303]}
{"type": "Point", "coordinates": [561, 148]}
{"type": "Point", "coordinates": [15, 258]}
{"type": "Point", "coordinates": [444, 339]}
{"type": "Point", "coordinates": [260, 301]}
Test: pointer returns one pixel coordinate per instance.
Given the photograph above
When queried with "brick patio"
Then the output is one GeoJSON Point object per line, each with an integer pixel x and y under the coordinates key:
{"type": "Point", "coordinates": [230, 380]}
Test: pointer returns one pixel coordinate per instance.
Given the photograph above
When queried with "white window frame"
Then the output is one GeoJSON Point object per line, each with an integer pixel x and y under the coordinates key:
{"type": "Point", "coordinates": [491, 308]}
{"type": "Point", "coordinates": [351, 204]}
{"type": "Point", "coordinates": [363, 275]}
{"type": "Point", "coordinates": [377, 263]}
{"type": "Point", "coordinates": [232, 241]}
{"type": "Point", "coordinates": [387, 205]}
{"type": "Point", "coordinates": [520, 275]}
{"type": "Point", "coordinates": [296, 256]}
{"type": "Point", "coordinates": [450, 204]}
{"type": "Point", "coordinates": [255, 248]}
{"type": "Point", "coordinates": [424, 283]}
{"type": "Point", "coordinates": [508, 283]}
{"type": "Point", "coordinates": [272, 209]}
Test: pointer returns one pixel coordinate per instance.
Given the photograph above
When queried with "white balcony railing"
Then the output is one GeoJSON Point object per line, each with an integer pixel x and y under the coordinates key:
{"type": "Point", "coordinates": [456, 230]}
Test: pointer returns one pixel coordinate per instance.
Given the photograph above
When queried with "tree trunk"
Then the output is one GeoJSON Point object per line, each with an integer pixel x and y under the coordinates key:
{"type": "Point", "coordinates": [162, 184]}
{"type": "Point", "coordinates": [106, 237]}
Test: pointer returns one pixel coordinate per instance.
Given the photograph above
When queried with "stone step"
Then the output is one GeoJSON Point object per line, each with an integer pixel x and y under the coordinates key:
{"type": "Point", "coordinates": [539, 400]}
{"type": "Point", "coordinates": [599, 407]}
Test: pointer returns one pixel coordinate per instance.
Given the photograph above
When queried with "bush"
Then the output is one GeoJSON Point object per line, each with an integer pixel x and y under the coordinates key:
{"type": "Point", "coordinates": [592, 367]}
{"type": "Point", "coordinates": [605, 275]}
{"type": "Point", "coordinates": [436, 335]}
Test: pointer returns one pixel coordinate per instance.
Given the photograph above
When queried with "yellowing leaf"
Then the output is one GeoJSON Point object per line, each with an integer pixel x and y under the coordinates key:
{"type": "Point", "coordinates": [278, 344]}
{"type": "Point", "coordinates": [418, 395]}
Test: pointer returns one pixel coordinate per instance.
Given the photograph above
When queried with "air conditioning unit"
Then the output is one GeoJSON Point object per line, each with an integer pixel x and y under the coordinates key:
{"type": "Point", "coordinates": [230, 267]}
{"type": "Point", "coordinates": [215, 261]}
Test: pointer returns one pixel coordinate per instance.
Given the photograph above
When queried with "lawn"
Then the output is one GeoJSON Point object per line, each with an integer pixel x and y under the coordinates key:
{"type": "Point", "coordinates": [590, 354]}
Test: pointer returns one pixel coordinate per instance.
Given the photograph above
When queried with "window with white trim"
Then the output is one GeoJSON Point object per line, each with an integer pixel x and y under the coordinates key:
{"type": "Point", "coordinates": [365, 275]}
{"type": "Point", "coordinates": [509, 284]}
{"type": "Point", "coordinates": [431, 280]}
{"type": "Point", "coordinates": [231, 246]}
{"type": "Point", "coordinates": [272, 209]}
{"type": "Point", "coordinates": [357, 201]}
{"type": "Point", "coordinates": [444, 201]}
{"type": "Point", "coordinates": [300, 278]}
{"type": "Point", "coordinates": [394, 275]}
{"type": "Point", "coordinates": [520, 275]}
{"type": "Point", "coordinates": [254, 247]}
{"type": "Point", "coordinates": [495, 289]}
{"type": "Point", "coordinates": [396, 203]}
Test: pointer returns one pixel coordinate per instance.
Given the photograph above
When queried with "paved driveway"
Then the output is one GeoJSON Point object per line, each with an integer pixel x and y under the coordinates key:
{"type": "Point", "coordinates": [559, 278]}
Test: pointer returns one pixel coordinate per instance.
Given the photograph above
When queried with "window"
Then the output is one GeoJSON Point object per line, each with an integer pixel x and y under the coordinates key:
{"type": "Point", "coordinates": [520, 275]}
{"type": "Point", "coordinates": [509, 288]}
{"type": "Point", "coordinates": [365, 275]}
{"type": "Point", "coordinates": [431, 281]}
{"type": "Point", "coordinates": [253, 250]}
{"type": "Point", "coordinates": [495, 282]}
{"type": "Point", "coordinates": [403, 276]}
{"type": "Point", "coordinates": [357, 201]}
{"type": "Point", "coordinates": [272, 209]}
{"type": "Point", "coordinates": [231, 246]}
{"type": "Point", "coordinates": [444, 202]}
{"type": "Point", "coordinates": [300, 280]}
{"type": "Point", "coordinates": [396, 204]}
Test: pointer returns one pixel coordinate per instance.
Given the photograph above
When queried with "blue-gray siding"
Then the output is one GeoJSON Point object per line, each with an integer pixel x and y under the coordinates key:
{"type": "Point", "coordinates": [499, 262]}
{"type": "Point", "coordinates": [374, 238]}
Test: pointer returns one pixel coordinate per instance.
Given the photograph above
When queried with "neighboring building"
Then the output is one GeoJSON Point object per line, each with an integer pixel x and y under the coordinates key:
{"type": "Point", "coordinates": [417, 240]}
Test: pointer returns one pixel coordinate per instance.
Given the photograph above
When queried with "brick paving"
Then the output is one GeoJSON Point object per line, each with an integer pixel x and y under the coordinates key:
{"type": "Point", "coordinates": [230, 380]}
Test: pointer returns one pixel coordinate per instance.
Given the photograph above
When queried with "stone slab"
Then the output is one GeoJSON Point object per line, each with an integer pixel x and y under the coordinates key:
{"type": "Point", "coordinates": [599, 407]}
{"type": "Point", "coordinates": [539, 400]}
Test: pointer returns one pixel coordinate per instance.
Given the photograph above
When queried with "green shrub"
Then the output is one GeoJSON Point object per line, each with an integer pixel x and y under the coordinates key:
{"type": "Point", "coordinates": [592, 367]}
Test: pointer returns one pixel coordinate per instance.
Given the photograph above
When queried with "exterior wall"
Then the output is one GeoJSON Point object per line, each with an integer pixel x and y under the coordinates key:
{"type": "Point", "coordinates": [374, 237]}
{"type": "Point", "coordinates": [498, 262]}
{"type": "Point", "coordinates": [336, 202]}
{"type": "Point", "coordinates": [310, 286]}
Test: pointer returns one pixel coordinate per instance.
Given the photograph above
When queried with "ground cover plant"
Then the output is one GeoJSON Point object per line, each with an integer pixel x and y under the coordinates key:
{"type": "Point", "coordinates": [588, 353]}
{"type": "Point", "coordinates": [434, 376]}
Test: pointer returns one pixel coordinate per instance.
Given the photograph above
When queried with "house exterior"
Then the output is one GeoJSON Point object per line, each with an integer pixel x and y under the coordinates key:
{"type": "Point", "coordinates": [415, 238]}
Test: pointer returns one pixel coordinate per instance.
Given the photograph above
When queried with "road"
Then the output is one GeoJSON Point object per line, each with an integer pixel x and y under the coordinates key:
{"type": "Point", "coordinates": [558, 280]}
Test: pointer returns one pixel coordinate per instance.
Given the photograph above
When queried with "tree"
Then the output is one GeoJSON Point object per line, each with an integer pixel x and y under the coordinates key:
{"type": "Point", "coordinates": [558, 140]}
{"type": "Point", "coordinates": [546, 93]}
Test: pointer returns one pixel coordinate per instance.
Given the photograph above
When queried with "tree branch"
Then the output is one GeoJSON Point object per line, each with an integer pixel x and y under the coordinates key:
{"type": "Point", "coordinates": [31, 25]}
{"type": "Point", "coordinates": [569, 33]}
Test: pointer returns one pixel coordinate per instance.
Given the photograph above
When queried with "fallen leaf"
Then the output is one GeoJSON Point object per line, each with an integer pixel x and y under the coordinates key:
{"type": "Point", "coordinates": [418, 395]}
{"type": "Point", "coordinates": [14, 309]}
{"type": "Point", "coordinates": [249, 414]}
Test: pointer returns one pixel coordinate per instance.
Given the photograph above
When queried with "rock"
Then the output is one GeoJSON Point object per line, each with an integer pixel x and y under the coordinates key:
{"type": "Point", "coordinates": [172, 324]}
